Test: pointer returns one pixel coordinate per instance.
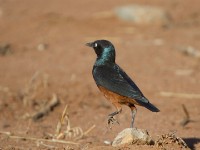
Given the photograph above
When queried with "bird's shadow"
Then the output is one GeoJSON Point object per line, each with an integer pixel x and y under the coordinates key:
{"type": "Point", "coordinates": [191, 142]}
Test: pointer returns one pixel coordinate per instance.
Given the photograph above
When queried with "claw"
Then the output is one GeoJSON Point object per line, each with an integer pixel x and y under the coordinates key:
{"type": "Point", "coordinates": [112, 120]}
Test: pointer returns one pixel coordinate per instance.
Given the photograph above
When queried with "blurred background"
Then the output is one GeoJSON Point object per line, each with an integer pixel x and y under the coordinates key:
{"type": "Point", "coordinates": [45, 66]}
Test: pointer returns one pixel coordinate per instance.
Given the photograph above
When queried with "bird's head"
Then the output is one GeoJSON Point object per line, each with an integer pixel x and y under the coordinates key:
{"type": "Point", "coordinates": [104, 50]}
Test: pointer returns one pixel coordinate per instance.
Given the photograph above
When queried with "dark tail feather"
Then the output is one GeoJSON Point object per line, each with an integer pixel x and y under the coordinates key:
{"type": "Point", "coordinates": [145, 102]}
{"type": "Point", "coordinates": [151, 107]}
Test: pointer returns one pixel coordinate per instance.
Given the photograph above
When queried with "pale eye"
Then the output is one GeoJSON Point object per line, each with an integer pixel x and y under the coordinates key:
{"type": "Point", "coordinates": [95, 45]}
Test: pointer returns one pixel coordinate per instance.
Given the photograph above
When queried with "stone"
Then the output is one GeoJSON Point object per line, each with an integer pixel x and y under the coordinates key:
{"type": "Point", "coordinates": [42, 47]}
{"type": "Point", "coordinates": [132, 136]}
{"type": "Point", "coordinates": [143, 14]}
{"type": "Point", "coordinates": [190, 51]}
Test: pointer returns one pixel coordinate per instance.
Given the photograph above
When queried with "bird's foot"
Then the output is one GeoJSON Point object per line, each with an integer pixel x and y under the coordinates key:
{"type": "Point", "coordinates": [112, 120]}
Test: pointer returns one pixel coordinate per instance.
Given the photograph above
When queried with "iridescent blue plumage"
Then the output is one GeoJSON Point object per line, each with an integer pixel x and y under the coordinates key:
{"type": "Point", "coordinates": [108, 74]}
{"type": "Point", "coordinates": [112, 78]}
{"type": "Point", "coordinates": [107, 56]}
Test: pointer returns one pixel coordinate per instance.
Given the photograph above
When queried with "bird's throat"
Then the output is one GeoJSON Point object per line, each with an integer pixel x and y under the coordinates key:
{"type": "Point", "coordinates": [107, 56]}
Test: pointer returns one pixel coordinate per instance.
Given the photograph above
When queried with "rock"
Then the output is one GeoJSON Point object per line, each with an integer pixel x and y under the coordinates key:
{"type": "Point", "coordinates": [190, 51]}
{"type": "Point", "coordinates": [107, 142]}
{"type": "Point", "coordinates": [42, 47]}
{"type": "Point", "coordinates": [143, 14]}
{"type": "Point", "coordinates": [132, 136]}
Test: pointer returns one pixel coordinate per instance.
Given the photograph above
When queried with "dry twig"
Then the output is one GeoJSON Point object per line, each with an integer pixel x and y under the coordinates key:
{"type": "Point", "coordinates": [90, 129]}
{"type": "Point", "coordinates": [186, 118]}
{"type": "Point", "coordinates": [180, 95]}
{"type": "Point", "coordinates": [53, 102]}
{"type": "Point", "coordinates": [75, 132]}
{"type": "Point", "coordinates": [10, 135]}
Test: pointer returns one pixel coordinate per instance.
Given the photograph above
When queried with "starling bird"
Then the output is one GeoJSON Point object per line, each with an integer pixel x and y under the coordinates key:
{"type": "Point", "coordinates": [114, 83]}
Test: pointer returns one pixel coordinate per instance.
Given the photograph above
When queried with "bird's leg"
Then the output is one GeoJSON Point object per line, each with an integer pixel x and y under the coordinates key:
{"type": "Point", "coordinates": [133, 113]}
{"type": "Point", "coordinates": [111, 118]}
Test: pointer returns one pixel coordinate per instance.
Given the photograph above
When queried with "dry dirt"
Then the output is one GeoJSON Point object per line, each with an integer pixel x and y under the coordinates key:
{"type": "Point", "coordinates": [46, 38]}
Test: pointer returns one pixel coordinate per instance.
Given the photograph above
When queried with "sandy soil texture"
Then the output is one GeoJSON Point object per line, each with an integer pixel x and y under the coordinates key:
{"type": "Point", "coordinates": [45, 66]}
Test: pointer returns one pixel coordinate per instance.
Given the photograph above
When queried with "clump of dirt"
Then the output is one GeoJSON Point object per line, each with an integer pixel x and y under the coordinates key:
{"type": "Point", "coordinates": [165, 141]}
{"type": "Point", "coordinates": [5, 49]}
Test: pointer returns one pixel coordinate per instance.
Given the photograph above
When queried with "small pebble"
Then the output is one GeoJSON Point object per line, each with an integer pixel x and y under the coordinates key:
{"type": "Point", "coordinates": [107, 142]}
{"type": "Point", "coordinates": [42, 47]}
{"type": "Point", "coordinates": [143, 14]}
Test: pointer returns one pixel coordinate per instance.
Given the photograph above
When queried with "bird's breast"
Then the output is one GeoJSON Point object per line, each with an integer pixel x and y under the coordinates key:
{"type": "Point", "coordinates": [116, 98]}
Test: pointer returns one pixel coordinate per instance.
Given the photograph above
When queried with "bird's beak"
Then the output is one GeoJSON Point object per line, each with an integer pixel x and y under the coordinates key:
{"type": "Point", "coordinates": [91, 44]}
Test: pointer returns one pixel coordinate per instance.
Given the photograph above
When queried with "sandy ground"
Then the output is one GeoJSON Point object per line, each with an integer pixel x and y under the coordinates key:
{"type": "Point", "coordinates": [47, 39]}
